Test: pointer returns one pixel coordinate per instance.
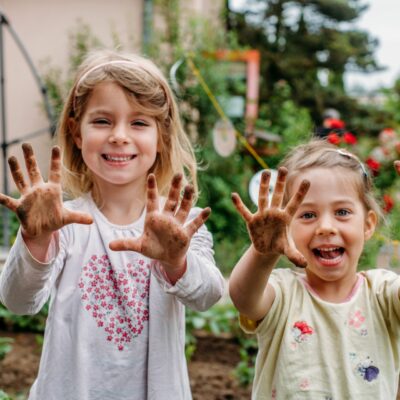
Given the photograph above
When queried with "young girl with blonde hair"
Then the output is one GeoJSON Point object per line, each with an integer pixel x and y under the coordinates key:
{"type": "Point", "coordinates": [118, 262]}
{"type": "Point", "coordinates": [327, 332]}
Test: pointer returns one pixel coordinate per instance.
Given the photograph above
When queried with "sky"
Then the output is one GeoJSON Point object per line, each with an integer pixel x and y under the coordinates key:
{"type": "Point", "coordinates": [382, 21]}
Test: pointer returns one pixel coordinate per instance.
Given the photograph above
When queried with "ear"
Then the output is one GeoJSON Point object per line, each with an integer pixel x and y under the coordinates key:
{"type": "Point", "coordinates": [73, 127]}
{"type": "Point", "coordinates": [370, 224]}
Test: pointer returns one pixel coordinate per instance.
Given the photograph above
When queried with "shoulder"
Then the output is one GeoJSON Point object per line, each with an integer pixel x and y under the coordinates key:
{"type": "Point", "coordinates": [285, 276]}
{"type": "Point", "coordinates": [381, 279]}
{"type": "Point", "coordinates": [379, 276]}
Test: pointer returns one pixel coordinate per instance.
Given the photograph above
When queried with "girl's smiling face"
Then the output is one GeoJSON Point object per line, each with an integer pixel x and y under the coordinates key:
{"type": "Point", "coordinates": [331, 225]}
{"type": "Point", "coordinates": [118, 143]}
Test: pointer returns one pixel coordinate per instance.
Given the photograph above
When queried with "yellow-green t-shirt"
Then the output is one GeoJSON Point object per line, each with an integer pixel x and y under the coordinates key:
{"type": "Point", "coordinates": [313, 349]}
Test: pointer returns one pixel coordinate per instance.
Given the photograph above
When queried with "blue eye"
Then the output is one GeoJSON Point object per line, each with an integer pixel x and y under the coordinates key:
{"type": "Point", "coordinates": [343, 212]}
{"type": "Point", "coordinates": [307, 215]}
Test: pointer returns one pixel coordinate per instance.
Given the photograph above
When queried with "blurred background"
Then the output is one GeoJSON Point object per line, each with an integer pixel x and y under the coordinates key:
{"type": "Point", "coordinates": [253, 79]}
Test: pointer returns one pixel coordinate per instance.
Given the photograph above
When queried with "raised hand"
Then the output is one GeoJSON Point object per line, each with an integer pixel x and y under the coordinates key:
{"type": "Point", "coordinates": [166, 237]}
{"type": "Point", "coordinates": [268, 227]}
{"type": "Point", "coordinates": [40, 209]}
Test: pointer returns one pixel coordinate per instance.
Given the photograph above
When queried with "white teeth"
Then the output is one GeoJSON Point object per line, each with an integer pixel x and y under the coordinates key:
{"type": "Point", "coordinates": [328, 248]}
{"type": "Point", "coordinates": [118, 159]}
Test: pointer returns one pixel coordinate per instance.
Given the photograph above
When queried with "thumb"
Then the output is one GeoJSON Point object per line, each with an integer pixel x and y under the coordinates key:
{"type": "Point", "coordinates": [131, 244]}
{"type": "Point", "coordinates": [76, 217]}
{"type": "Point", "coordinates": [295, 257]}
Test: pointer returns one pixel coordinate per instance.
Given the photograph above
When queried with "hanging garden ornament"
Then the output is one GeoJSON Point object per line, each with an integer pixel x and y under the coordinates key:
{"type": "Point", "coordinates": [224, 137]}
{"type": "Point", "coordinates": [254, 185]}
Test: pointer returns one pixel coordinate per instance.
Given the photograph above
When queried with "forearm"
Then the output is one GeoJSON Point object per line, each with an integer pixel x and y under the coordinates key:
{"type": "Point", "coordinates": [201, 285]}
{"type": "Point", "coordinates": [24, 280]}
{"type": "Point", "coordinates": [248, 283]}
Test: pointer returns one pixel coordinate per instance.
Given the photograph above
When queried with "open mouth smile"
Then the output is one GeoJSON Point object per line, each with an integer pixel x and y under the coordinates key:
{"type": "Point", "coordinates": [329, 255]}
{"type": "Point", "coordinates": [119, 158]}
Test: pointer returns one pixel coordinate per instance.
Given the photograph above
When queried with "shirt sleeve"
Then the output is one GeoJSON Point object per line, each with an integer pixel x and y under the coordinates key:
{"type": "Point", "coordinates": [202, 285]}
{"type": "Point", "coordinates": [270, 321]}
{"type": "Point", "coordinates": [25, 283]}
{"type": "Point", "coordinates": [386, 286]}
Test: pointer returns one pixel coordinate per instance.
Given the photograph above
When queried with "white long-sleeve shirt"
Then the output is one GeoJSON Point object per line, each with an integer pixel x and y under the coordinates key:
{"type": "Point", "coordinates": [116, 326]}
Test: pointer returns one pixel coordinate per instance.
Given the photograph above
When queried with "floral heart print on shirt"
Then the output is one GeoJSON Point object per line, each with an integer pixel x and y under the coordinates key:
{"type": "Point", "coordinates": [118, 300]}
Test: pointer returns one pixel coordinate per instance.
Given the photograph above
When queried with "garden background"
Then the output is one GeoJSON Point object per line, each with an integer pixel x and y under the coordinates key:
{"type": "Point", "coordinates": [306, 49]}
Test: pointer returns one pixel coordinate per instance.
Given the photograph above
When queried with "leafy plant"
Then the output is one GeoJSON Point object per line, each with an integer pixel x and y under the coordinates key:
{"type": "Point", "coordinates": [31, 323]}
{"type": "Point", "coordinates": [4, 396]}
{"type": "Point", "coordinates": [244, 371]}
{"type": "Point", "coordinates": [5, 346]}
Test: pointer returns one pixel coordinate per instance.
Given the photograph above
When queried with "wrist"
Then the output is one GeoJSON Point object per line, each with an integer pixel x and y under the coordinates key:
{"type": "Point", "coordinates": [42, 239]}
{"type": "Point", "coordinates": [264, 259]}
{"type": "Point", "coordinates": [175, 271]}
{"type": "Point", "coordinates": [38, 246]}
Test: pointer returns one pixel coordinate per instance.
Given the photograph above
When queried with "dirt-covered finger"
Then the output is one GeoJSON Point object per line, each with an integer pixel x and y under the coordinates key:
{"type": "Point", "coordinates": [242, 209]}
{"type": "Point", "coordinates": [31, 164]}
{"type": "Point", "coordinates": [277, 196]}
{"type": "Point", "coordinates": [264, 190]}
{"type": "Point", "coordinates": [17, 175]}
{"type": "Point", "coordinates": [197, 222]}
{"type": "Point", "coordinates": [55, 165]}
{"type": "Point", "coordinates": [186, 204]}
{"type": "Point", "coordinates": [173, 196]}
{"type": "Point", "coordinates": [152, 194]}
{"type": "Point", "coordinates": [8, 202]}
{"type": "Point", "coordinates": [130, 244]}
{"type": "Point", "coordinates": [295, 257]}
{"type": "Point", "coordinates": [76, 217]}
{"type": "Point", "coordinates": [298, 197]}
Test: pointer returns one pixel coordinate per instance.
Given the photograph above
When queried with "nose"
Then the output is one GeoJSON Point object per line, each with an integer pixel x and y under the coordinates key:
{"type": "Point", "coordinates": [119, 135]}
{"type": "Point", "coordinates": [326, 227]}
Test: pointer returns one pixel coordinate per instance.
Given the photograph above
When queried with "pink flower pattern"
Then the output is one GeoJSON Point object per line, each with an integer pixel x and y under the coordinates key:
{"type": "Point", "coordinates": [116, 299]}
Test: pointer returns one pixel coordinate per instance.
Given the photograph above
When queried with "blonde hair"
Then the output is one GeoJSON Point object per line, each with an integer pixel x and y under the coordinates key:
{"type": "Point", "coordinates": [318, 153]}
{"type": "Point", "coordinates": [149, 90]}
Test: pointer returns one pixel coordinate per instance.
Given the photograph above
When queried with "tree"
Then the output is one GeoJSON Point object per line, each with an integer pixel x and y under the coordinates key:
{"type": "Point", "coordinates": [310, 44]}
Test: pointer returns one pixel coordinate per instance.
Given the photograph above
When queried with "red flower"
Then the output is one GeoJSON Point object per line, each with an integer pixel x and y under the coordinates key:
{"type": "Point", "coordinates": [349, 138]}
{"type": "Point", "coordinates": [333, 138]}
{"type": "Point", "coordinates": [389, 203]}
{"type": "Point", "coordinates": [373, 165]}
{"type": "Point", "coordinates": [334, 123]}
{"type": "Point", "coordinates": [303, 327]}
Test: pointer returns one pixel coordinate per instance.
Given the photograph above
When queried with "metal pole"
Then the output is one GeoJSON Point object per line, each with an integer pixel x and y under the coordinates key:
{"type": "Point", "coordinates": [6, 216]}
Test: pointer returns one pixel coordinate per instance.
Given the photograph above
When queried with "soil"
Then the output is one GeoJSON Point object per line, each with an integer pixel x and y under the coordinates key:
{"type": "Point", "coordinates": [210, 369]}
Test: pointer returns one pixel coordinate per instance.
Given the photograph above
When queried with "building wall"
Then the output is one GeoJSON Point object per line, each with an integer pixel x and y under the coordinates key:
{"type": "Point", "coordinates": [44, 27]}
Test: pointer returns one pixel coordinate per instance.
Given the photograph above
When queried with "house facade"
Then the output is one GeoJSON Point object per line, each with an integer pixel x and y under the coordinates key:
{"type": "Point", "coordinates": [44, 28]}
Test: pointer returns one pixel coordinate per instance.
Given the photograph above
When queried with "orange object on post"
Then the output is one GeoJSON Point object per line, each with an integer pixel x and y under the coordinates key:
{"type": "Point", "coordinates": [252, 58]}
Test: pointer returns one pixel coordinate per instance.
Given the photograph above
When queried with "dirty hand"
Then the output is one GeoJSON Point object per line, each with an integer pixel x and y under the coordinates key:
{"type": "Point", "coordinates": [268, 227]}
{"type": "Point", "coordinates": [40, 209]}
{"type": "Point", "coordinates": [165, 237]}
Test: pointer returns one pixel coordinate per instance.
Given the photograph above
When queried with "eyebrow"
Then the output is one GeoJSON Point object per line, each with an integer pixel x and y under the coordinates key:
{"type": "Point", "coordinates": [335, 203]}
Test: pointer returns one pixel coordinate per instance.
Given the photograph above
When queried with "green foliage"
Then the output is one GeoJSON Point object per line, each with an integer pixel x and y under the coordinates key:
{"type": "Point", "coordinates": [31, 323]}
{"type": "Point", "coordinates": [220, 319]}
{"type": "Point", "coordinates": [13, 227]}
{"type": "Point", "coordinates": [244, 371]}
{"type": "Point", "coordinates": [301, 41]}
{"type": "Point", "coordinates": [5, 346]}
{"type": "Point", "coordinates": [4, 396]}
